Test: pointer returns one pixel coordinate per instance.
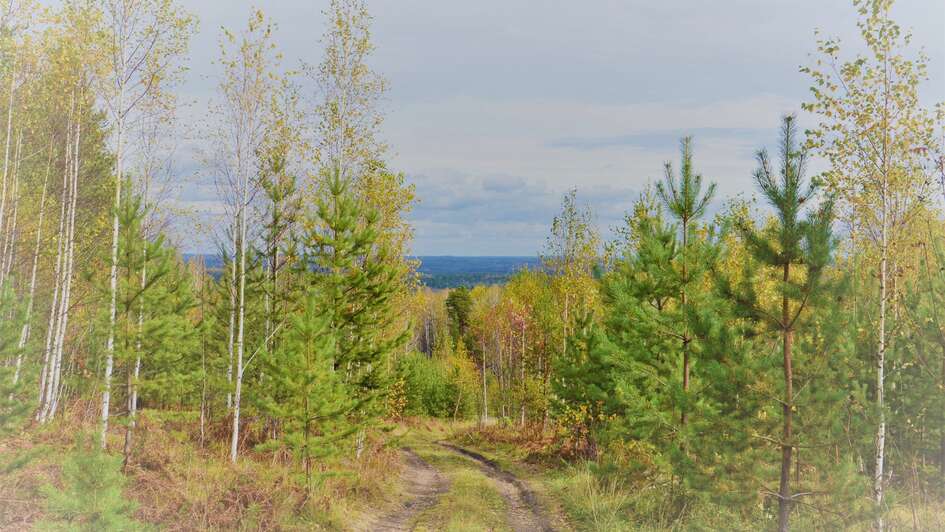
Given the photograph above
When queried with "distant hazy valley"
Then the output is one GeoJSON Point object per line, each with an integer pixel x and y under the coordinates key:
{"type": "Point", "coordinates": [437, 271]}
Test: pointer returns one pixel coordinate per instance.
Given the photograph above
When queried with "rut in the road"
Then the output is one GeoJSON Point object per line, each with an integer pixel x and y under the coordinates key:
{"type": "Point", "coordinates": [525, 512]}
{"type": "Point", "coordinates": [424, 486]}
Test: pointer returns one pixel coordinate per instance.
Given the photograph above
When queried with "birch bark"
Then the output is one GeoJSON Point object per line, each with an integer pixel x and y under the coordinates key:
{"type": "Point", "coordinates": [27, 322]}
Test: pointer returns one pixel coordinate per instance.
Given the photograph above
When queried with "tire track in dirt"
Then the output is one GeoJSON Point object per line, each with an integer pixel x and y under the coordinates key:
{"type": "Point", "coordinates": [525, 511]}
{"type": "Point", "coordinates": [424, 486]}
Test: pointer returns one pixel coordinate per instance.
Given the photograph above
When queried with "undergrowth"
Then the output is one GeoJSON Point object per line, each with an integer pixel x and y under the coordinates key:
{"type": "Point", "coordinates": [175, 484]}
{"type": "Point", "coordinates": [625, 489]}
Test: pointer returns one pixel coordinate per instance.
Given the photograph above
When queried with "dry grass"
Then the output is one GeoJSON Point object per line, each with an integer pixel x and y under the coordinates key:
{"type": "Point", "coordinates": [530, 444]}
{"type": "Point", "coordinates": [179, 486]}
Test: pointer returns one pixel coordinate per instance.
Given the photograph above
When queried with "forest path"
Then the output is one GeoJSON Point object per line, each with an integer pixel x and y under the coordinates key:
{"type": "Point", "coordinates": [524, 512]}
{"type": "Point", "coordinates": [424, 485]}
{"type": "Point", "coordinates": [444, 486]}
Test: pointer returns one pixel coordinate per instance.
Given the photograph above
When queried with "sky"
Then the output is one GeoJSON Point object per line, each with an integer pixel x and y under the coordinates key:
{"type": "Point", "coordinates": [497, 108]}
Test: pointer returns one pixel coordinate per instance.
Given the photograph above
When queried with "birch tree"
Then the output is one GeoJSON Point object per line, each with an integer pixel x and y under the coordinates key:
{"type": "Point", "coordinates": [16, 16]}
{"type": "Point", "coordinates": [348, 118]}
{"type": "Point", "coordinates": [347, 132]}
{"type": "Point", "coordinates": [65, 260]}
{"type": "Point", "coordinates": [281, 149]}
{"type": "Point", "coordinates": [26, 330]}
{"type": "Point", "coordinates": [571, 253]}
{"type": "Point", "coordinates": [39, 122]}
{"type": "Point", "coordinates": [143, 40]}
{"type": "Point", "coordinates": [875, 132]}
{"type": "Point", "coordinates": [153, 163]}
{"type": "Point", "coordinates": [70, 47]}
{"type": "Point", "coordinates": [249, 61]}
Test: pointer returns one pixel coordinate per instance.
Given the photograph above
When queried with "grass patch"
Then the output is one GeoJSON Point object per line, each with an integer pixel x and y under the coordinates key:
{"type": "Point", "coordinates": [472, 503]}
{"type": "Point", "coordinates": [590, 504]}
{"type": "Point", "coordinates": [177, 485]}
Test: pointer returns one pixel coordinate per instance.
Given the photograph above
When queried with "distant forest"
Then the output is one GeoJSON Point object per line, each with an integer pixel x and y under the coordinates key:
{"type": "Point", "coordinates": [438, 271]}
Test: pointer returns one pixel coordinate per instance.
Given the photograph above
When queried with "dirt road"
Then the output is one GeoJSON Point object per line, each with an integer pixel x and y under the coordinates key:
{"type": "Point", "coordinates": [434, 502]}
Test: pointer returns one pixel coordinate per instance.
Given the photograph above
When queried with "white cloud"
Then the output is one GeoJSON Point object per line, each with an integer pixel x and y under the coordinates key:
{"type": "Point", "coordinates": [513, 169]}
{"type": "Point", "coordinates": [497, 107]}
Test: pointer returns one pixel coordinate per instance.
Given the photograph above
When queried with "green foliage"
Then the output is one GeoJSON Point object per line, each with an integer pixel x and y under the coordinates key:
{"type": "Point", "coordinates": [464, 381]}
{"type": "Point", "coordinates": [345, 261]}
{"type": "Point", "coordinates": [684, 197]}
{"type": "Point", "coordinates": [283, 208]}
{"type": "Point", "coordinates": [445, 385]}
{"type": "Point", "coordinates": [314, 400]}
{"type": "Point", "coordinates": [154, 298]}
{"type": "Point", "coordinates": [645, 322]}
{"type": "Point", "coordinates": [705, 376]}
{"type": "Point", "coordinates": [685, 201]}
{"type": "Point", "coordinates": [458, 308]}
{"type": "Point", "coordinates": [583, 386]}
{"type": "Point", "coordinates": [91, 494]}
{"type": "Point", "coordinates": [426, 385]}
{"type": "Point", "coordinates": [793, 240]}
{"type": "Point", "coordinates": [919, 376]}
{"type": "Point", "coordinates": [790, 257]}
{"type": "Point", "coordinates": [16, 401]}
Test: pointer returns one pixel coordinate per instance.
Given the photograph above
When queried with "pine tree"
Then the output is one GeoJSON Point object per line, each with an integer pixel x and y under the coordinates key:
{"type": "Point", "coordinates": [314, 400]}
{"type": "Point", "coordinates": [796, 249]}
{"type": "Point", "coordinates": [90, 498]}
{"type": "Point", "coordinates": [458, 307]}
{"type": "Point", "coordinates": [637, 296]}
{"type": "Point", "coordinates": [156, 346]}
{"type": "Point", "coordinates": [644, 322]}
{"type": "Point", "coordinates": [342, 256]}
{"type": "Point", "coordinates": [584, 385]}
{"type": "Point", "coordinates": [685, 200]}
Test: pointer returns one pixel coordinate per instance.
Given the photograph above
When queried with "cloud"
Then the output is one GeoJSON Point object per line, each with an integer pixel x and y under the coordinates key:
{"type": "Point", "coordinates": [480, 163]}
{"type": "Point", "coordinates": [461, 214]}
{"type": "Point", "coordinates": [497, 108]}
{"type": "Point", "coordinates": [657, 139]}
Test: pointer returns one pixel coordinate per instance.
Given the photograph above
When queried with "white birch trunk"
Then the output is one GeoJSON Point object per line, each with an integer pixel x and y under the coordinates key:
{"type": "Point", "coordinates": [133, 395]}
{"type": "Point", "coordinates": [241, 296]}
{"type": "Point", "coordinates": [878, 479]}
{"type": "Point", "coordinates": [30, 298]}
{"type": "Point", "coordinates": [67, 291]}
{"type": "Point", "coordinates": [10, 242]}
{"type": "Point", "coordinates": [54, 378]}
{"type": "Point", "coordinates": [113, 274]}
{"type": "Point", "coordinates": [878, 472]}
{"type": "Point", "coordinates": [232, 331]}
{"type": "Point", "coordinates": [48, 361]}
{"type": "Point", "coordinates": [54, 389]}
{"type": "Point", "coordinates": [6, 149]}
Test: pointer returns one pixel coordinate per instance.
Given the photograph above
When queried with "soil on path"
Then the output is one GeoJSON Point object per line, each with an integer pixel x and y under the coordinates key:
{"type": "Point", "coordinates": [424, 485]}
{"type": "Point", "coordinates": [525, 512]}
